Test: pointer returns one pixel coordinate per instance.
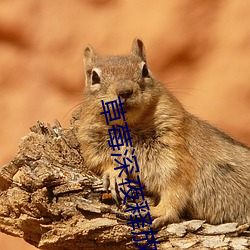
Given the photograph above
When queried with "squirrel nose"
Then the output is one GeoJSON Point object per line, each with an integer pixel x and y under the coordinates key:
{"type": "Point", "coordinates": [125, 93]}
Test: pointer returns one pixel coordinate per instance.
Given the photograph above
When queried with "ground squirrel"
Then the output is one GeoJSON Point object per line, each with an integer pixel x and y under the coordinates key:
{"type": "Point", "coordinates": [191, 167]}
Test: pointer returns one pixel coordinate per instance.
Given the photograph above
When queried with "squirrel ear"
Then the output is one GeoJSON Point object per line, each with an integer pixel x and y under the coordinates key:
{"type": "Point", "coordinates": [138, 49]}
{"type": "Point", "coordinates": [89, 57]}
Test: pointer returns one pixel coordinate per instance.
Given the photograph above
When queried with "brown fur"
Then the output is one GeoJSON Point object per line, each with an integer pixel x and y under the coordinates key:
{"type": "Point", "coordinates": [189, 165]}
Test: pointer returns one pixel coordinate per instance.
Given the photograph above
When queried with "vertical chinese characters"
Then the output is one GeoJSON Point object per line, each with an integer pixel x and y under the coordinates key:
{"type": "Point", "coordinates": [120, 137]}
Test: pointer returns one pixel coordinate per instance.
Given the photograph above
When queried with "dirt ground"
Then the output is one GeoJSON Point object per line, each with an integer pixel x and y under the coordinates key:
{"type": "Point", "coordinates": [200, 49]}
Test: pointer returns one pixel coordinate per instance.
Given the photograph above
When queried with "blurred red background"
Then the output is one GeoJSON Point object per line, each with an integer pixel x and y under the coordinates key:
{"type": "Point", "coordinates": [200, 49]}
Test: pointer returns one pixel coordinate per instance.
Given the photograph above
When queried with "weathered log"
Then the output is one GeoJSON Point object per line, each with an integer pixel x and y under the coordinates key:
{"type": "Point", "coordinates": [53, 201]}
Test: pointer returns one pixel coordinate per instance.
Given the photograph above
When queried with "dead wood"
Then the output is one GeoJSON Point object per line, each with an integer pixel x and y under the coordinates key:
{"type": "Point", "coordinates": [49, 198]}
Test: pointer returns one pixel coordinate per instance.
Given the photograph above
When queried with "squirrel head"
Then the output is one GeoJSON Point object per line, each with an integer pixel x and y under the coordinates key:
{"type": "Point", "coordinates": [125, 76]}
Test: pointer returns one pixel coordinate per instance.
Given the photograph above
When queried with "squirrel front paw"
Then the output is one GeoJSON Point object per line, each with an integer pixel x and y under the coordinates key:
{"type": "Point", "coordinates": [163, 214]}
{"type": "Point", "coordinates": [111, 180]}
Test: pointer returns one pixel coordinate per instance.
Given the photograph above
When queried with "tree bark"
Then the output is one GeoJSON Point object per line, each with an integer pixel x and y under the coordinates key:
{"type": "Point", "coordinates": [53, 201]}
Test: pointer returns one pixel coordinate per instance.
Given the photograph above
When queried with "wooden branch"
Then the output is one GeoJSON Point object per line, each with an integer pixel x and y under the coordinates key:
{"type": "Point", "coordinates": [49, 198]}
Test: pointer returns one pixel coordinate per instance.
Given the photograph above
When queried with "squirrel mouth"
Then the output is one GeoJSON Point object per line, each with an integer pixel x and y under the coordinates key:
{"type": "Point", "coordinates": [128, 104]}
{"type": "Point", "coordinates": [128, 101]}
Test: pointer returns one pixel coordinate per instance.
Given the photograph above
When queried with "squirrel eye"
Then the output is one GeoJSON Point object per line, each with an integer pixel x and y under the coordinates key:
{"type": "Point", "coordinates": [145, 72]}
{"type": "Point", "coordinates": [95, 78]}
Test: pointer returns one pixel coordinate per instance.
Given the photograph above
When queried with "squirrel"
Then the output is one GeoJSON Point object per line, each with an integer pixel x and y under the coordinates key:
{"type": "Point", "coordinates": [190, 167]}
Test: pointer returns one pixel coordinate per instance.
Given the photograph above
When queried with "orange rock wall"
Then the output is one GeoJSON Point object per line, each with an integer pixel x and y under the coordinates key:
{"type": "Point", "coordinates": [200, 49]}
